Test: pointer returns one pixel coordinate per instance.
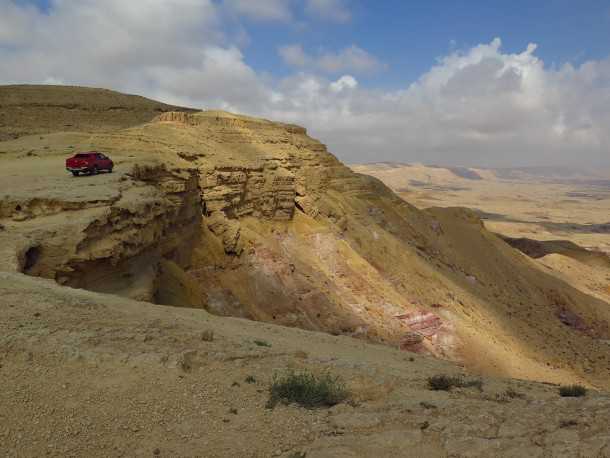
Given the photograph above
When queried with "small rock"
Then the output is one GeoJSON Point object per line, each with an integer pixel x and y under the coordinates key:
{"type": "Point", "coordinates": [207, 335]}
{"type": "Point", "coordinates": [411, 338]}
{"type": "Point", "coordinates": [156, 451]}
{"type": "Point", "coordinates": [567, 423]}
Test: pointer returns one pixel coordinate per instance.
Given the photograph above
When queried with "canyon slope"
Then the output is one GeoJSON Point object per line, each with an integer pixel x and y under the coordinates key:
{"type": "Point", "coordinates": [250, 218]}
{"type": "Point", "coordinates": [557, 216]}
{"type": "Point", "coordinates": [540, 203]}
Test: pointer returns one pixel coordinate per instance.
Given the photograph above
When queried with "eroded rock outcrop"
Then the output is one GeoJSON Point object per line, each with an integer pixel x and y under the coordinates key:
{"type": "Point", "coordinates": [114, 244]}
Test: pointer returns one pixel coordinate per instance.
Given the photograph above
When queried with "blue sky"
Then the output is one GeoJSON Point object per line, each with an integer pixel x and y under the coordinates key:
{"type": "Point", "coordinates": [518, 82]}
{"type": "Point", "coordinates": [409, 35]}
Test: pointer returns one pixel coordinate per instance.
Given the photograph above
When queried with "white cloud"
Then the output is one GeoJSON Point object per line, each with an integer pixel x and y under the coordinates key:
{"type": "Point", "coordinates": [352, 59]}
{"type": "Point", "coordinates": [294, 55]}
{"type": "Point", "coordinates": [265, 10]}
{"type": "Point", "coordinates": [220, 80]}
{"type": "Point", "coordinates": [481, 106]}
{"type": "Point", "coordinates": [15, 23]}
{"type": "Point", "coordinates": [175, 52]}
{"type": "Point", "coordinates": [112, 44]}
{"type": "Point", "coordinates": [345, 82]}
{"type": "Point", "coordinates": [332, 10]}
{"type": "Point", "coordinates": [477, 106]}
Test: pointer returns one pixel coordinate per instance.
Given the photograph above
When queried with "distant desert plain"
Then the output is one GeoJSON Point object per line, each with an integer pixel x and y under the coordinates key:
{"type": "Point", "coordinates": [550, 205]}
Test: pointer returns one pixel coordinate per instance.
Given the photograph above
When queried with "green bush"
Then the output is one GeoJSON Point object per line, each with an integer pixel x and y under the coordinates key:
{"type": "Point", "coordinates": [446, 382]}
{"type": "Point", "coordinates": [262, 343]}
{"type": "Point", "coordinates": [307, 390]}
{"type": "Point", "coordinates": [574, 391]}
{"type": "Point", "coordinates": [443, 382]}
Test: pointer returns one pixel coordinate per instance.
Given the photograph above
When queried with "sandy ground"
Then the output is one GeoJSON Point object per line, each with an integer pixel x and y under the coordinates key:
{"type": "Point", "coordinates": [86, 374]}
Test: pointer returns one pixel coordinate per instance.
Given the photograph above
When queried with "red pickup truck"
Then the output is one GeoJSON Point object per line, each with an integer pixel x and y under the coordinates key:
{"type": "Point", "coordinates": [90, 162]}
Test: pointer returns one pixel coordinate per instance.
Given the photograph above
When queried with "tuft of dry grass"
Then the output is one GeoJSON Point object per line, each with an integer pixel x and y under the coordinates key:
{"type": "Point", "coordinates": [307, 390]}
{"type": "Point", "coordinates": [572, 391]}
{"type": "Point", "coordinates": [446, 383]}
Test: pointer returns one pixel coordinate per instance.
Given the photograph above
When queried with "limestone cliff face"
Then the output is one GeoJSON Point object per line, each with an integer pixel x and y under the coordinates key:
{"type": "Point", "coordinates": [112, 244]}
{"type": "Point", "coordinates": [253, 168]}
{"type": "Point", "coordinates": [252, 218]}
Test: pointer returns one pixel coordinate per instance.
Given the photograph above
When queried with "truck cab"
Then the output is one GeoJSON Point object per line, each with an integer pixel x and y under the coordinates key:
{"type": "Point", "coordinates": [90, 162]}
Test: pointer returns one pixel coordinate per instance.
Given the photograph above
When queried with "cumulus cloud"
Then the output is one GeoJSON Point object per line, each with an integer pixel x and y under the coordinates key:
{"type": "Point", "coordinates": [479, 106]}
{"type": "Point", "coordinates": [332, 10]}
{"type": "Point", "coordinates": [351, 59]}
{"type": "Point", "coordinates": [221, 79]}
{"type": "Point", "coordinates": [294, 55]}
{"type": "Point", "coordinates": [115, 44]}
{"type": "Point", "coordinates": [266, 10]}
{"type": "Point", "coordinates": [343, 83]}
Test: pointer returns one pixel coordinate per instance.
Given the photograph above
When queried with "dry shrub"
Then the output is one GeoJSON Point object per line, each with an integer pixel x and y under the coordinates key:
{"type": "Point", "coordinates": [307, 390]}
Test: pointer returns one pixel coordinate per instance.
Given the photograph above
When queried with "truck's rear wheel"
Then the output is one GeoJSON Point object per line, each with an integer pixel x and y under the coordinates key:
{"type": "Point", "coordinates": [95, 170]}
{"type": "Point", "coordinates": [75, 173]}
